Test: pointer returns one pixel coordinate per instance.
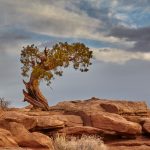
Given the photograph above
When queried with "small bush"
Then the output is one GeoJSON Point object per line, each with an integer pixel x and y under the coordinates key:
{"type": "Point", "coordinates": [4, 103]}
{"type": "Point", "coordinates": [83, 143]}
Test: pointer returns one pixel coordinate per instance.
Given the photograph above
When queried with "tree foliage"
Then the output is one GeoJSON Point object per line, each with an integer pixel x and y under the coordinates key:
{"type": "Point", "coordinates": [43, 65]}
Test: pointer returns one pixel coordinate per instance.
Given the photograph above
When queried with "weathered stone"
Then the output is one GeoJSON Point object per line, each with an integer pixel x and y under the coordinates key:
{"type": "Point", "coordinates": [70, 120]}
{"type": "Point", "coordinates": [135, 142]}
{"type": "Point", "coordinates": [135, 118]}
{"type": "Point", "coordinates": [125, 107]}
{"type": "Point", "coordinates": [142, 147]}
{"type": "Point", "coordinates": [11, 116]}
{"type": "Point", "coordinates": [56, 121]}
{"type": "Point", "coordinates": [146, 126]}
{"type": "Point", "coordinates": [115, 122]}
{"type": "Point", "coordinates": [108, 119]}
{"type": "Point", "coordinates": [47, 122]}
{"type": "Point", "coordinates": [43, 140]}
{"type": "Point", "coordinates": [114, 106]}
{"type": "Point", "coordinates": [6, 139]}
{"type": "Point", "coordinates": [26, 139]}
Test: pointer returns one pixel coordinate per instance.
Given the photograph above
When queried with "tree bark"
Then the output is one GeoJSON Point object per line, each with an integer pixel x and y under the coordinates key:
{"type": "Point", "coordinates": [33, 95]}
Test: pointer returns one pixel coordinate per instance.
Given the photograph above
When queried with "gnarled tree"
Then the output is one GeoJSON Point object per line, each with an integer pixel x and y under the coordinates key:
{"type": "Point", "coordinates": [43, 65]}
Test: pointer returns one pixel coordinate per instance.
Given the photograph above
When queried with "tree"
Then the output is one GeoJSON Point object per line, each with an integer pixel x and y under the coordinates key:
{"type": "Point", "coordinates": [43, 65]}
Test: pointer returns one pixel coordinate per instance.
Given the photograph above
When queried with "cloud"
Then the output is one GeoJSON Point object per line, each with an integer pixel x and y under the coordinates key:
{"type": "Point", "coordinates": [11, 38]}
{"type": "Point", "coordinates": [118, 56]}
{"type": "Point", "coordinates": [48, 21]}
{"type": "Point", "coordinates": [87, 19]}
{"type": "Point", "coordinates": [97, 23]}
{"type": "Point", "coordinates": [141, 37]}
{"type": "Point", "coordinates": [76, 22]}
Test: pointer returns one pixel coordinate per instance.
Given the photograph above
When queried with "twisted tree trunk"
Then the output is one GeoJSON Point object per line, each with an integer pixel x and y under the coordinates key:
{"type": "Point", "coordinates": [33, 94]}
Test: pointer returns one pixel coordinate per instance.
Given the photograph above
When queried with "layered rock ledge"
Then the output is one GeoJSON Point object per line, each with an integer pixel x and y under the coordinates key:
{"type": "Point", "coordinates": [122, 124]}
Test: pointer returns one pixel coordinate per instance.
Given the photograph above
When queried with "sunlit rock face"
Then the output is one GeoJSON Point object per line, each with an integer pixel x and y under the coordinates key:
{"type": "Point", "coordinates": [119, 123]}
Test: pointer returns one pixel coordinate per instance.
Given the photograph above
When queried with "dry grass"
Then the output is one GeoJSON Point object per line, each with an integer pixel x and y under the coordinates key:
{"type": "Point", "coordinates": [83, 143]}
{"type": "Point", "coordinates": [4, 103]}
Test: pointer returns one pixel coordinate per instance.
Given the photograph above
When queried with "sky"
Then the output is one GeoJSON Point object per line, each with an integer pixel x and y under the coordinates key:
{"type": "Point", "coordinates": [117, 31]}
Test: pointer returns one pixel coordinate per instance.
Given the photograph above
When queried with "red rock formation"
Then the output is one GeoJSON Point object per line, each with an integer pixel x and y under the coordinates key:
{"type": "Point", "coordinates": [119, 123]}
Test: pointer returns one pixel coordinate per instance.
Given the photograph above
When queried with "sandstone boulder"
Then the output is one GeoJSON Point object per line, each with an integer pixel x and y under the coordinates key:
{"type": "Point", "coordinates": [125, 107]}
{"type": "Point", "coordinates": [42, 140]}
{"type": "Point", "coordinates": [12, 116]}
{"type": "Point", "coordinates": [6, 139]}
{"type": "Point", "coordinates": [43, 113]}
{"type": "Point", "coordinates": [121, 107]}
{"type": "Point", "coordinates": [26, 139]}
{"type": "Point", "coordinates": [114, 122]}
{"type": "Point", "coordinates": [56, 121]}
{"type": "Point", "coordinates": [134, 118]}
{"type": "Point", "coordinates": [146, 126]}
{"type": "Point", "coordinates": [139, 141]}
{"type": "Point", "coordinates": [142, 147]}
{"type": "Point", "coordinates": [37, 121]}
{"type": "Point", "coordinates": [47, 122]}
{"type": "Point", "coordinates": [70, 120]}
{"type": "Point", "coordinates": [94, 113]}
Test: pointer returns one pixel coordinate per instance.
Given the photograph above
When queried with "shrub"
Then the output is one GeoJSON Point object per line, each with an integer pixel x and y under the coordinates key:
{"type": "Point", "coordinates": [4, 103]}
{"type": "Point", "coordinates": [83, 143]}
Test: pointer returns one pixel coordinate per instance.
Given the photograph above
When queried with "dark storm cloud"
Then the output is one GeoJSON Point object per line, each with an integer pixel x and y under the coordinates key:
{"type": "Point", "coordinates": [141, 37]}
{"type": "Point", "coordinates": [98, 12]}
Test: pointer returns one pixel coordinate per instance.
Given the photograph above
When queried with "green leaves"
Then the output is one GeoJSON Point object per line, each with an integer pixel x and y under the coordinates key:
{"type": "Point", "coordinates": [44, 65]}
{"type": "Point", "coordinates": [28, 59]}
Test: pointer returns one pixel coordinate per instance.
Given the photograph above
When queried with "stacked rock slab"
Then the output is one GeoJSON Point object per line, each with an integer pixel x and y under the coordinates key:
{"type": "Point", "coordinates": [112, 120]}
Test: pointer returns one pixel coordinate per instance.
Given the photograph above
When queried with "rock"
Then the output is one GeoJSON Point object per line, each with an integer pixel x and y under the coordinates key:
{"type": "Point", "coordinates": [40, 120]}
{"type": "Point", "coordinates": [5, 124]}
{"type": "Point", "coordinates": [6, 139]}
{"type": "Point", "coordinates": [121, 107]}
{"type": "Point", "coordinates": [146, 126]}
{"type": "Point", "coordinates": [29, 107]}
{"type": "Point", "coordinates": [86, 130]}
{"type": "Point", "coordinates": [15, 148]}
{"type": "Point", "coordinates": [47, 122]}
{"type": "Point", "coordinates": [43, 140]}
{"type": "Point", "coordinates": [43, 113]}
{"type": "Point", "coordinates": [37, 113]}
{"type": "Point", "coordinates": [136, 119]}
{"type": "Point", "coordinates": [70, 120]}
{"type": "Point", "coordinates": [125, 107]}
{"type": "Point", "coordinates": [11, 116]}
{"type": "Point", "coordinates": [142, 147]}
{"type": "Point", "coordinates": [56, 121]}
{"type": "Point", "coordinates": [139, 141]}
{"type": "Point", "coordinates": [114, 122]}
{"type": "Point", "coordinates": [130, 110]}
{"type": "Point", "coordinates": [94, 114]}
{"type": "Point", "coordinates": [26, 139]}
{"type": "Point", "coordinates": [109, 107]}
